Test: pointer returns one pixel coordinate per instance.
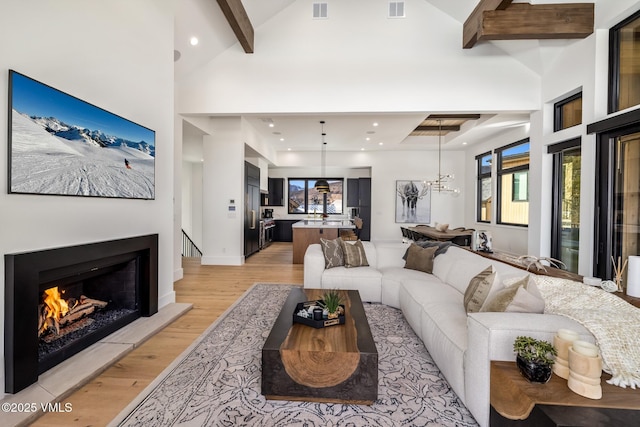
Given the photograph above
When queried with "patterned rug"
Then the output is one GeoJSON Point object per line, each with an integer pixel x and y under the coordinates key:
{"type": "Point", "coordinates": [216, 382]}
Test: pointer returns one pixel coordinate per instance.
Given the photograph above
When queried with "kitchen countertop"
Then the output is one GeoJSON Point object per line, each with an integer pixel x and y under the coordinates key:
{"type": "Point", "coordinates": [310, 223]}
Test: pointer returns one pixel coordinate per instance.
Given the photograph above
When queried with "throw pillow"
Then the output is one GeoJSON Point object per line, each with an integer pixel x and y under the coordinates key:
{"type": "Point", "coordinates": [521, 297]}
{"type": "Point", "coordinates": [441, 247]}
{"type": "Point", "coordinates": [420, 259]}
{"type": "Point", "coordinates": [354, 255]}
{"type": "Point", "coordinates": [478, 290]}
{"type": "Point", "coordinates": [332, 251]}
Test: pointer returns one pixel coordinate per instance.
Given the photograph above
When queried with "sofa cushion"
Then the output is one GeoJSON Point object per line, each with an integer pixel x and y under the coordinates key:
{"type": "Point", "coordinates": [393, 277]}
{"type": "Point", "coordinates": [333, 253]}
{"type": "Point", "coordinates": [366, 280]}
{"type": "Point", "coordinates": [420, 259]}
{"type": "Point", "coordinates": [354, 254]}
{"type": "Point", "coordinates": [463, 270]}
{"type": "Point", "coordinates": [478, 290]}
{"type": "Point", "coordinates": [521, 297]}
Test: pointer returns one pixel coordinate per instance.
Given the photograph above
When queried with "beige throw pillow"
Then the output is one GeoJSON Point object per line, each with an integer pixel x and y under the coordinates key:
{"type": "Point", "coordinates": [332, 251]}
{"type": "Point", "coordinates": [478, 290]}
{"type": "Point", "coordinates": [354, 255]}
{"type": "Point", "coordinates": [420, 259]}
{"type": "Point", "coordinates": [521, 297]}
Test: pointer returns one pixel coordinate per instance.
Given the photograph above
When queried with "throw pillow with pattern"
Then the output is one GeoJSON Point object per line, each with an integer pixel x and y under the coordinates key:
{"type": "Point", "coordinates": [332, 251]}
{"type": "Point", "coordinates": [478, 290]}
{"type": "Point", "coordinates": [354, 255]}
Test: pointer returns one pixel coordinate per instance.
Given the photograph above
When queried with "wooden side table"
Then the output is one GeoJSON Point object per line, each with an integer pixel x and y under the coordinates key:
{"type": "Point", "coordinates": [517, 402]}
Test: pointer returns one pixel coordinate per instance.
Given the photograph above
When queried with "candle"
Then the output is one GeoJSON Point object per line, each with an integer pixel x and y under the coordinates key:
{"type": "Point", "coordinates": [633, 277]}
{"type": "Point", "coordinates": [585, 348]}
{"type": "Point", "coordinates": [567, 334]}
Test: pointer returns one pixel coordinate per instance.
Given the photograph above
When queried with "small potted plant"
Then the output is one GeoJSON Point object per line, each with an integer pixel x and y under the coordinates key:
{"type": "Point", "coordinates": [534, 358]}
{"type": "Point", "coordinates": [332, 300]}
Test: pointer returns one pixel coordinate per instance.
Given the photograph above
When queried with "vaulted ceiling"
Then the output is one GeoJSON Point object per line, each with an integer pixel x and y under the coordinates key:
{"type": "Point", "coordinates": [206, 20]}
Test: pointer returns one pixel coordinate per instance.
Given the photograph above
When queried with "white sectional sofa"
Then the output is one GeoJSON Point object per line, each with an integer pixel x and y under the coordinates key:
{"type": "Point", "coordinates": [461, 344]}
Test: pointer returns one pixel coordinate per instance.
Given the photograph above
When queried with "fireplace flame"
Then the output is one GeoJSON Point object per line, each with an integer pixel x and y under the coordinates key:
{"type": "Point", "coordinates": [56, 305]}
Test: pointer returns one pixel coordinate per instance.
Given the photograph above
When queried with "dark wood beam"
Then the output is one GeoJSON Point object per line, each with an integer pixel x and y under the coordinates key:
{"type": "Point", "coordinates": [453, 116]}
{"type": "Point", "coordinates": [239, 21]}
{"type": "Point", "coordinates": [443, 128]}
{"type": "Point", "coordinates": [521, 21]}
{"type": "Point", "coordinates": [473, 23]}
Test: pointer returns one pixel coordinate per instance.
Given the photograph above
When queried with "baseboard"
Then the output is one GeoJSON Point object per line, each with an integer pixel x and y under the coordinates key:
{"type": "Point", "coordinates": [178, 274]}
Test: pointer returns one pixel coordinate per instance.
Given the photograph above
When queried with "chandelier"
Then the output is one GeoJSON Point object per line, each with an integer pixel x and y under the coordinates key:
{"type": "Point", "coordinates": [322, 186]}
{"type": "Point", "coordinates": [443, 183]}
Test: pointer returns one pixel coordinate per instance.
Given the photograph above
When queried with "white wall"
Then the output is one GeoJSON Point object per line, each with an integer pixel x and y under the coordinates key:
{"type": "Point", "coordinates": [358, 60]}
{"type": "Point", "coordinates": [116, 55]}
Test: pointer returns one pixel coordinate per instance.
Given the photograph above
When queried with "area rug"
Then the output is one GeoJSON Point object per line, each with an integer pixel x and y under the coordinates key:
{"type": "Point", "coordinates": [216, 381]}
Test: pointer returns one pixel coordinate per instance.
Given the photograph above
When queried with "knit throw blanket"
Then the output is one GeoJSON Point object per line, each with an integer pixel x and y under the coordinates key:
{"type": "Point", "coordinates": [613, 322]}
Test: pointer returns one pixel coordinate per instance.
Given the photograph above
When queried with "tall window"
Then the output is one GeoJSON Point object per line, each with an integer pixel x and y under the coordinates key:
{"type": "Point", "coordinates": [483, 211]}
{"type": "Point", "coordinates": [513, 183]}
{"type": "Point", "coordinates": [624, 83]}
{"type": "Point", "coordinates": [565, 210]}
{"type": "Point", "coordinates": [304, 199]}
{"type": "Point", "coordinates": [568, 112]}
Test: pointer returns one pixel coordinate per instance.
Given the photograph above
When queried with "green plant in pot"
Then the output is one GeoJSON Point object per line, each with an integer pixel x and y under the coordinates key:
{"type": "Point", "coordinates": [534, 358]}
{"type": "Point", "coordinates": [332, 300]}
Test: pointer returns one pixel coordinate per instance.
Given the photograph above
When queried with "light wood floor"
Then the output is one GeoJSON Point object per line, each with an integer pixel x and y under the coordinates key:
{"type": "Point", "coordinates": [211, 290]}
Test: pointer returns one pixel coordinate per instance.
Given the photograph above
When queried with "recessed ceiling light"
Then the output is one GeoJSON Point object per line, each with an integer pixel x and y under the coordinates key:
{"type": "Point", "coordinates": [281, 139]}
{"type": "Point", "coordinates": [464, 143]}
{"type": "Point", "coordinates": [380, 143]}
{"type": "Point", "coordinates": [362, 149]}
{"type": "Point", "coordinates": [289, 149]}
{"type": "Point", "coordinates": [375, 124]}
{"type": "Point", "coordinates": [271, 125]}
{"type": "Point", "coordinates": [194, 41]}
{"type": "Point", "coordinates": [367, 139]}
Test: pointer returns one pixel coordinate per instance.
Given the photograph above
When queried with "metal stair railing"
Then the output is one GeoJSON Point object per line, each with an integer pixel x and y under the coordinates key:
{"type": "Point", "coordinates": [189, 249]}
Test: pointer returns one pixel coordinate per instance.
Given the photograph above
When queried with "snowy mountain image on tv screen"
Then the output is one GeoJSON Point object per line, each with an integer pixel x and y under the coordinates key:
{"type": "Point", "coordinates": [64, 146]}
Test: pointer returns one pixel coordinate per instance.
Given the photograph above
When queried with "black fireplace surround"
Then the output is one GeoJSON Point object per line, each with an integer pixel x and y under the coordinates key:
{"type": "Point", "coordinates": [28, 273]}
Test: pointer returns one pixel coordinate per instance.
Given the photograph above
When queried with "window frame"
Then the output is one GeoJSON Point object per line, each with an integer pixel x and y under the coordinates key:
{"type": "Point", "coordinates": [614, 63]}
{"type": "Point", "coordinates": [558, 150]}
{"type": "Point", "coordinates": [500, 172]}
{"type": "Point", "coordinates": [480, 177]}
{"type": "Point", "coordinates": [558, 112]}
{"type": "Point", "coordinates": [306, 194]}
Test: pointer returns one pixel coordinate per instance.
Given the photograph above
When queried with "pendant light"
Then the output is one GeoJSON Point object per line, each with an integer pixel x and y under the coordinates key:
{"type": "Point", "coordinates": [322, 186]}
{"type": "Point", "coordinates": [441, 183]}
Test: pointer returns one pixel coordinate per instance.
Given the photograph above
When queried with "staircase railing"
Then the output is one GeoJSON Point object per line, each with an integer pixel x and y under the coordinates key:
{"type": "Point", "coordinates": [189, 249]}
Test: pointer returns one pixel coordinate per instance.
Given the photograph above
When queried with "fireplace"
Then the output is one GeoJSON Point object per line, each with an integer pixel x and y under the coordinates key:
{"type": "Point", "coordinates": [60, 301]}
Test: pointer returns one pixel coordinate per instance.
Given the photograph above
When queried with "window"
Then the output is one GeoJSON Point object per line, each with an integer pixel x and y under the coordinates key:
{"type": "Point", "coordinates": [624, 73]}
{"type": "Point", "coordinates": [304, 199]}
{"type": "Point", "coordinates": [513, 183]}
{"type": "Point", "coordinates": [565, 208]}
{"type": "Point", "coordinates": [483, 211]}
{"type": "Point", "coordinates": [568, 112]}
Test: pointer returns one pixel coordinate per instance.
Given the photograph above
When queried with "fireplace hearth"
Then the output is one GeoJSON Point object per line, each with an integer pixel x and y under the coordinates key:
{"type": "Point", "coordinates": [60, 301]}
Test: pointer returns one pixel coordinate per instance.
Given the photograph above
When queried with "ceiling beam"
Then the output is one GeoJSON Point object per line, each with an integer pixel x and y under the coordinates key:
{"type": "Point", "coordinates": [421, 128]}
{"type": "Point", "coordinates": [520, 21]}
{"type": "Point", "coordinates": [473, 23]}
{"type": "Point", "coordinates": [239, 21]}
{"type": "Point", "coordinates": [453, 116]}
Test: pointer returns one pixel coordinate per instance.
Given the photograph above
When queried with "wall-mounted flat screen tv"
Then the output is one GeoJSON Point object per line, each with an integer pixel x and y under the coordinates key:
{"type": "Point", "coordinates": [61, 145]}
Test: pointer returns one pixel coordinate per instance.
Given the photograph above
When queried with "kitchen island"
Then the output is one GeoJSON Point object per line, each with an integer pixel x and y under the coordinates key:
{"type": "Point", "coordinates": [309, 231]}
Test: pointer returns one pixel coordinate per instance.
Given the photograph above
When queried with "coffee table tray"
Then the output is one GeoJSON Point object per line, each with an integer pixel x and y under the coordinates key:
{"type": "Point", "coordinates": [322, 323]}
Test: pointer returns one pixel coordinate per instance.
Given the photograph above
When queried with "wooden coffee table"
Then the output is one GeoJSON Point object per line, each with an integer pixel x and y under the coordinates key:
{"type": "Point", "coordinates": [334, 364]}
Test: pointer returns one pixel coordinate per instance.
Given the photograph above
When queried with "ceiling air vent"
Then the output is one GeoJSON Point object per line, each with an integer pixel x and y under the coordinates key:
{"type": "Point", "coordinates": [396, 9]}
{"type": "Point", "coordinates": [320, 11]}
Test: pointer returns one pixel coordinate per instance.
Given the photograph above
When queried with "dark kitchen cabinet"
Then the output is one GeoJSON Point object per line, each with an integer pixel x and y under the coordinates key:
{"type": "Point", "coordinates": [359, 197]}
{"type": "Point", "coordinates": [275, 197]}
{"type": "Point", "coordinates": [252, 210]}
{"type": "Point", "coordinates": [283, 231]}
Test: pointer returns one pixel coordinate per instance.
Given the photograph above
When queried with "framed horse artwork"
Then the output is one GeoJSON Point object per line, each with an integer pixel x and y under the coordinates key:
{"type": "Point", "coordinates": [413, 202]}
